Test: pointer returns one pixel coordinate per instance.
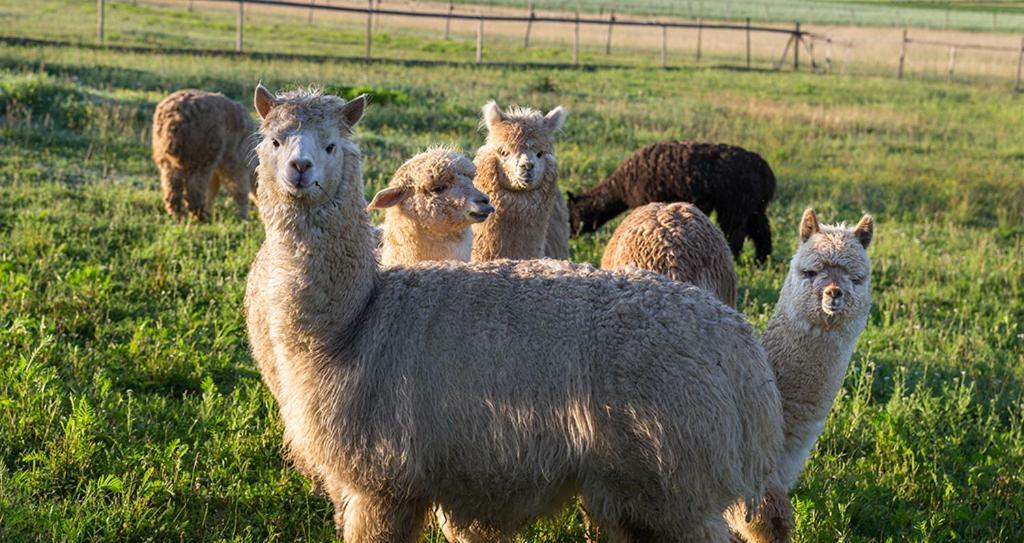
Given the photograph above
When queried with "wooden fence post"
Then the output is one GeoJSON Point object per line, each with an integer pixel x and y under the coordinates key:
{"type": "Point", "coordinates": [903, 55]}
{"type": "Point", "coordinates": [1020, 60]}
{"type": "Point", "coordinates": [846, 58]}
{"type": "Point", "coordinates": [796, 47]}
{"type": "Point", "coordinates": [190, 6]}
{"type": "Point", "coordinates": [101, 8]}
{"type": "Point", "coordinates": [664, 46]}
{"type": "Point", "coordinates": [369, 29]}
{"type": "Point", "coordinates": [828, 53]}
{"type": "Point", "coordinates": [576, 41]}
{"type": "Point", "coordinates": [529, 26]}
{"type": "Point", "coordinates": [748, 43]}
{"type": "Point", "coordinates": [608, 44]}
{"type": "Point", "coordinates": [700, 28]}
{"type": "Point", "coordinates": [952, 63]}
{"type": "Point", "coordinates": [480, 41]}
{"type": "Point", "coordinates": [241, 24]}
{"type": "Point", "coordinates": [448, 21]}
{"type": "Point", "coordinates": [309, 19]}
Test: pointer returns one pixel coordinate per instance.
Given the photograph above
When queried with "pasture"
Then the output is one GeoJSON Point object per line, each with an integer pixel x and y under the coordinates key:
{"type": "Point", "coordinates": [130, 409]}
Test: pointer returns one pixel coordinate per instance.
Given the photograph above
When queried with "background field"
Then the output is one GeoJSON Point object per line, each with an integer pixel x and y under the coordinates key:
{"type": "Point", "coordinates": [131, 410]}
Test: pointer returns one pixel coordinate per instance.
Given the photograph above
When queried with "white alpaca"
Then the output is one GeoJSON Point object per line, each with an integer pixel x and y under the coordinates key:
{"type": "Point", "coordinates": [496, 390]}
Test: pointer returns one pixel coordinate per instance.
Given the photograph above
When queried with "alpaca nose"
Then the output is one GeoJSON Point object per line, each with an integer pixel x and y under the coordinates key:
{"type": "Point", "coordinates": [834, 292]}
{"type": "Point", "coordinates": [482, 200]}
{"type": "Point", "coordinates": [301, 164]}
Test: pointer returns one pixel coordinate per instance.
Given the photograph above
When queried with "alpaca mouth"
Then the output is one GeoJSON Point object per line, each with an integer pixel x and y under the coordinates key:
{"type": "Point", "coordinates": [477, 216]}
{"type": "Point", "coordinates": [831, 307]}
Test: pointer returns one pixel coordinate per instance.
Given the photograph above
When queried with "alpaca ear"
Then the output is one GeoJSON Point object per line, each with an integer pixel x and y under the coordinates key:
{"type": "Point", "coordinates": [555, 118]}
{"type": "Point", "coordinates": [493, 114]}
{"type": "Point", "coordinates": [388, 198]}
{"type": "Point", "coordinates": [808, 225]}
{"type": "Point", "coordinates": [352, 112]}
{"type": "Point", "coordinates": [865, 230]}
{"type": "Point", "coordinates": [264, 100]}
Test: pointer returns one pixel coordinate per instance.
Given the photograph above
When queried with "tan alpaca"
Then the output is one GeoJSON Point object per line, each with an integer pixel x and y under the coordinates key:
{"type": "Point", "coordinates": [430, 205]}
{"type": "Point", "coordinates": [516, 168]}
{"type": "Point", "coordinates": [822, 309]}
{"type": "Point", "coordinates": [556, 244]}
{"type": "Point", "coordinates": [202, 140]}
{"type": "Point", "coordinates": [495, 390]}
{"type": "Point", "coordinates": [678, 241]}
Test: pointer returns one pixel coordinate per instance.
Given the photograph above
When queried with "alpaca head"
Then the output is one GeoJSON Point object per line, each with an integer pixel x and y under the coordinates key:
{"type": "Point", "coordinates": [434, 189]}
{"type": "Point", "coordinates": [306, 145]}
{"type": "Point", "coordinates": [831, 271]}
{"type": "Point", "coordinates": [582, 215]}
{"type": "Point", "coordinates": [523, 141]}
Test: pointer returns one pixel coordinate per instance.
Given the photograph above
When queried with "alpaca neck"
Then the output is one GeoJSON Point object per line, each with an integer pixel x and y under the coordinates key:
{"type": "Point", "coordinates": [518, 228]}
{"type": "Point", "coordinates": [600, 205]}
{"type": "Point", "coordinates": [405, 243]}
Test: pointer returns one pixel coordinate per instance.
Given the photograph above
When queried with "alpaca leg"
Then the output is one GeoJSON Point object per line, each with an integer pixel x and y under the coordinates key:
{"type": "Point", "coordinates": [236, 181]}
{"type": "Point", "coordinates": [761, 233]}
{"type": "Point", "coordinates": [772, 523]}
{"type": "Point", "coordinates": [474, 532]}
{"type": "Point", "coordinates": [196, 185]}
{"type": "Point", "coordinates": [173, 183]}
{"type": "Point", "coordinates": [212, 190]}
{"type": "Point", "coordinates": [735, 232]}
{"type": "Point", "coordinates": [379, 519]}
{"type": "Point", "coordinates": [654, 521]}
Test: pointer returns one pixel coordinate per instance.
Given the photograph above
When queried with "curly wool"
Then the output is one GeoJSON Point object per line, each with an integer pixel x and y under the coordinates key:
{"type": "Point", "coordinates": [733, 182]}
{"type": "Point", "coordinates": [677, 241]}
{"type": "Point", "coordinates": [202, 140]}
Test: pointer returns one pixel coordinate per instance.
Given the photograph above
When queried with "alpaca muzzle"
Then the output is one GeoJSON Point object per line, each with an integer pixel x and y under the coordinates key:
{"type": "Point", "coordinates": [832, 299]}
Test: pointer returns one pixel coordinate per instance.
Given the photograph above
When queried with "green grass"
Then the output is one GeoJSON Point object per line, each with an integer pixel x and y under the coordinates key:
{"type": "Point", "coordinates": [131, 410]}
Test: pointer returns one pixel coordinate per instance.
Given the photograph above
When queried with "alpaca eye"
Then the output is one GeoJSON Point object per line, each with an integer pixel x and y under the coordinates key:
{"type": "Point", "coordinates": [540, 154]}
{"type": "Point", "coordinates": [809, 274]}
{"type": "Point", "coordinates": [330, 148]}
{"type": "Point", "coordinates": [437, 189]}
{"type": "Point", "coordinates": [276, 144]}
{"type": "Point", "coordinates": [858, 281]}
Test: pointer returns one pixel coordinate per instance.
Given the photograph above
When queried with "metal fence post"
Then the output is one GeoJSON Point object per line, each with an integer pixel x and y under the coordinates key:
{"type": "Point", "coordinates": [480, 41]}
{"type": "Point", "coordinates": [700, 28]}
{"type": "Point", "coordinates": [748, 42]}
{"type": "Point", "coordinates": [448, 21]}
{"type": "Point", "coordinates": [664, 46]}
{"type": "Point", "coordinates": [576, 41]}
{"type": "Point", "coordinates": [903, 55]}
{"type": "Point", "coordinates": [529, 26]}
{"type": "Point", "coordinates": [608, 44]}
{"type": "Point", "coordinates": [796, 47]}
{"type": "Point", "coordinates": [241, 23]}
{"type": "Point", "coordinates": [101, 7]}
{"type": "Point", "coordinates": [369, 30]}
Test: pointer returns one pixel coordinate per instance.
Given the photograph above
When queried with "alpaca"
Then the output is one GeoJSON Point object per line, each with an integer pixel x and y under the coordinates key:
{"type": "Point", "coordinates": [202, 140]}
{"type": "Point", "coordinates": [556, 244]}
{"type": "Point", "coordinates": [677, 241]}
{"type": "Point", "coordinates": [430, 205]}
{"type": "Point", "coordinates": [495, 390]}
{"type": "Point", "coordinates": [731, 181]}
{"type": "Point", "coordinates": [822, 309]}
{"type": "Point", "coordinates": [516, 168]}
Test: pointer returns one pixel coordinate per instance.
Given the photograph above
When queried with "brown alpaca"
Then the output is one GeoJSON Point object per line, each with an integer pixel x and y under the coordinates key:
{"type": "Point", "coordinates": [202, 140]}
{"type": "Point", "coordinates": [516, 168]}
{"type": "Point", "coordinates": [430, 205]}
{"type": "Point", "coordinates": [822, 309]}
{"type": "Point", "coordinates": [495, 390]}
{"type": "Point", "coordinates": [678, 241]}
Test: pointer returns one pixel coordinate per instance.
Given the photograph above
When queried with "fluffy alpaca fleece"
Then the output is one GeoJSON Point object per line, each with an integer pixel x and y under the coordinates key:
{"type": "Point", "coordinates": [430, 205]}
{"type": "Point", "coordinates": [516, 168]}
{"type": "Point", "coordinates": [677, 241]}
{"type": "Point", "coordinates": [202, 140]}
{"type": "Point", "coordinates": [556, 244]}
{"type": "Point", "coordinates": [731, 181]}
{"type": "Point", "coordinates": [822, 309]}
{"type": "Point", "coordinates": [649, 398]}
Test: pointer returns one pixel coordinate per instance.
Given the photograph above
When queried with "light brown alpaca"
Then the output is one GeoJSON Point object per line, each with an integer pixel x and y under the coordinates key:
{"type": "Point", "coordinates": [556, 245]}
{"type": "Point", "coordinates": [430, 205]}
{"type": "Point", "coordinates": [822, 309]}
{"type": "Point", "coordinates": [202, 140]}
{"type": "Point", "coordinates": [678, 241]}
{"type": "Point", "coordinates": [495, 390]}
{"type": "Point", "coordinates": [516, 168]}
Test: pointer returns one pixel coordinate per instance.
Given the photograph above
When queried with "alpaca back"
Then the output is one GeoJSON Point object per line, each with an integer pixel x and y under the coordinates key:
{"type": "Point", "coordinates": [193, 130]}
{"type": "Point", "coordinates": [678, 241]}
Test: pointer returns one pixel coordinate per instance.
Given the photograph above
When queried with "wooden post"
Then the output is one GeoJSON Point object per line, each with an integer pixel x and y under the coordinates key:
{"type": "Point", "coordinates": [608, 44]}
{"type": "Point", "coordinates": [828, 53]}
{"type": "Point", "coordinates": [448, 21]}
{"type": "Point", "coordinates": [190, 6]}
{"type": "Point", "coordinates": [952, 64]}
{"type": "Point", "coordinates": [1020, 60]}
{"type": "Point", "coordinates": [241, 23]}
{"type": "Point", "coordinates": [529, 26]}
{"type": "Point", "coordinates": [846, 57]}
{"type": "Point", "coordinates": [576, 41]}
{"type": "Point", "coordinates": [101, 8]}
{"type": "Point", "coordinates": [309, 19]}
{"type": "Point", "coordinates": [748, 43]}
{"type": "Point", "coordinates": [376, 17]}
{"type": "Point", "coordinates": [796, 48]}
{"type": "Point", "coordinates": [664, 46]}
{"type": "Point", "coordinates": [903, 55]}
{"type": "Point", "coordinates": [480, 41]}
{"type": "Point", "coordinates": [785, 52]}
{"type": "Point", "coordinates": [369, 30]}
{"type": "Point", "coordinates": [700, 28]}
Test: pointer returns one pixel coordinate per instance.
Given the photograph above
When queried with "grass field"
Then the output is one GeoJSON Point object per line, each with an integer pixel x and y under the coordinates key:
{"type": "Point", "coordinates": [130, 409]}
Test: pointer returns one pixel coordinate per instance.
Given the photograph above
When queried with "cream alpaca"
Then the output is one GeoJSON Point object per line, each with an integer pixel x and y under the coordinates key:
{"type": "Point", "coordinates": [556, 244]}
{"type": "Point", "coordinates": [517, 170]}
{"type": "Point", "coordinates": [430, 205]}
{"type": "Point", "coordinates": [678, 241]}
{"type": "Point", "coordinates": [822, 309]}
{"type": "Point", "coordinates": [202, 140]}
{"type": "Point", "coordinates": [495, 390]}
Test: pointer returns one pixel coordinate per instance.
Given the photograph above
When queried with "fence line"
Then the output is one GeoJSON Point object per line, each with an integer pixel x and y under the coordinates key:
{"type": "Point", "coordinates": [954, 48]}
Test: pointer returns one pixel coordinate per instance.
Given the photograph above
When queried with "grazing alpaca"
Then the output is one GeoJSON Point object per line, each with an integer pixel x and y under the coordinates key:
{"type": "Point", "coordinates": [821, 312]}
{"type": "Point", "coordinates": [731, 181]}
{"type": "Point", "coordinates": [517, 170]}
{"type": "Point", "coordinates": [677, 241]}
{"type": "Point", "coordinates": [430, 205]}
{"type": "Point", "coordinates": [556, 244]}
{"type": "Point", "coordinates": [495, 390]}
{"type": "Point", "coordinates": [202, 140]}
